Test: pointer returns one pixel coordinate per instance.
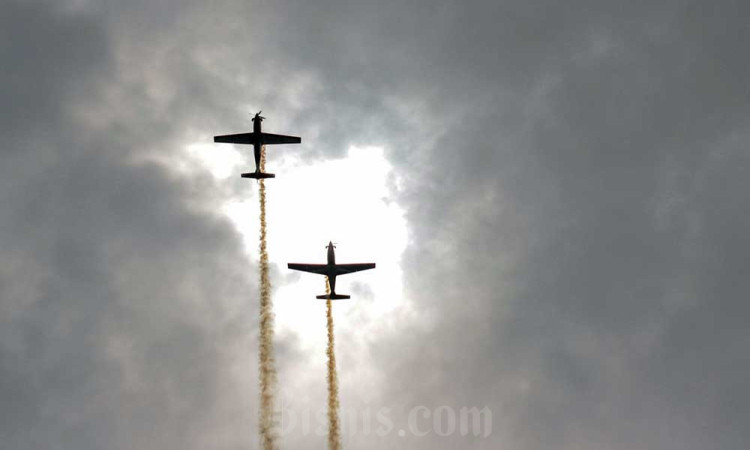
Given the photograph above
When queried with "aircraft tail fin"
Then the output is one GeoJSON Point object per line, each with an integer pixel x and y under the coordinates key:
{"type": "Point", "coordinates": [258, 175]}
{"type": "Point", "coordinates": [333, 296]}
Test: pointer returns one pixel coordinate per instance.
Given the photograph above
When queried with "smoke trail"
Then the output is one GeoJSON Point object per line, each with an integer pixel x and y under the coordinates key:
{"type": "Point", "coordinates": [334, 438]}
{"type": "Point", "coordinates": [267, 371]}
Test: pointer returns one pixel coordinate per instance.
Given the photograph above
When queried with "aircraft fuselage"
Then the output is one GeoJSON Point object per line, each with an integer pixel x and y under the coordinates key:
{"type": "Point", "coordinates": [331, 269]}
{"type": "Point", "coordinates": [331, 254]}
{"type": "Point", "coordinates": [257, 144]}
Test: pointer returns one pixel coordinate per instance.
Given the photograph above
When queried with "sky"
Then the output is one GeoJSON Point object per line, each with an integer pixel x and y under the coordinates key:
{"type": "Point", "coordinates": [555, 194]}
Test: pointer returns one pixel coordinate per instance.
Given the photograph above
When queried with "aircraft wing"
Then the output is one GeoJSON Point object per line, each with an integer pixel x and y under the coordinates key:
{"type": "Point", "coordinates": [342, 269]}
{"type": "Point", "coordinates": [314, 268]}
{"type": "Point", "coordinates": [270, 139]}
{"type": "Point", "coordinates": [242, 138]}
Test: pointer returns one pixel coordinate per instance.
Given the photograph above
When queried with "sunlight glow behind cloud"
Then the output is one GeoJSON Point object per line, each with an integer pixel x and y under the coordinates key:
{"type": "Point", "coordinates": [346, 201]}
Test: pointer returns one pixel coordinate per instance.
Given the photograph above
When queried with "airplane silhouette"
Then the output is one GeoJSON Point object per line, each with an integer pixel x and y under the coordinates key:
{"type": "Point", "coordinates": [257, 139]}
{"type": "Point", "coordinates": [331, 270]}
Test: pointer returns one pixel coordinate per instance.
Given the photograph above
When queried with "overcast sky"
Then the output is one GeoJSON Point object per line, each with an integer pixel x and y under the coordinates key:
{"type": "Point", "coordinates": [562, 188]}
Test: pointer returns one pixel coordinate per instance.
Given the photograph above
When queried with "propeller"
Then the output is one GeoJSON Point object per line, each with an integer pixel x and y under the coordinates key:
{"type": "Point", "coordinates": [258, 116]}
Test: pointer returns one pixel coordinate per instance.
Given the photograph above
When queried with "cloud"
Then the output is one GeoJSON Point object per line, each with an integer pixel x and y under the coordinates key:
{"type": "Point", "coordinates": [572, 177]}
{"type": "Point", "coordinates": [125, 295]}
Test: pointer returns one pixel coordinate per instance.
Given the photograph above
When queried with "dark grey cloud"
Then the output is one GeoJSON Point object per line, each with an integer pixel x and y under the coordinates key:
{"type": "Point", "coordinates": [583, 165]}
{"type": "Point", "coordinates": [125, 309]}
{"type": "Point", "coordinates": [573, 176]}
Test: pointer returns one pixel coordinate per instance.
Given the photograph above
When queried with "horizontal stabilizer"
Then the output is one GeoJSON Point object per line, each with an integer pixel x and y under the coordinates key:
{"type": "Point", "coordinates": [333, 296]}
{"type": "Point", "coordinates": [258, 175]}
